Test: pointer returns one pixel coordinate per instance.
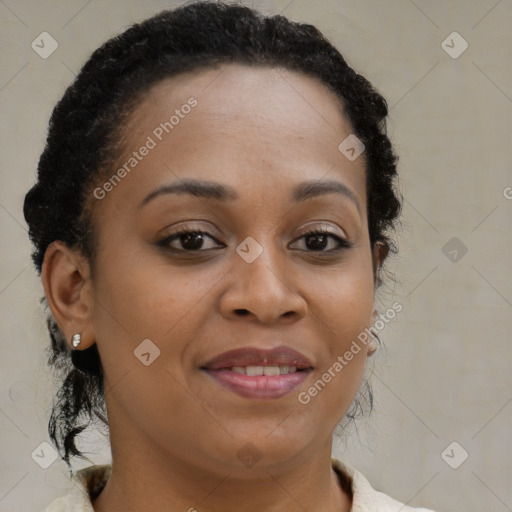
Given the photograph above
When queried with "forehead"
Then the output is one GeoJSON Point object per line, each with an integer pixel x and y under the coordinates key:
{"type": "Point", "coordinates": [268, 96]}
{"type": "Point", "coordinates": [252, 126]}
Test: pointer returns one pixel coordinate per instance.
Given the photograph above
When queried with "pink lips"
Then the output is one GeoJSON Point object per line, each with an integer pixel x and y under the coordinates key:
{"type": "Point", "coordinates": [259, 386]}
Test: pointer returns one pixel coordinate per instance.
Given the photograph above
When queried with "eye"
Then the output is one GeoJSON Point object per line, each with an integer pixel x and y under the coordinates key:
{"type": "Point", "coordinates": [318, 240]}
{"type": "Point", "coordinates": [189, 240]}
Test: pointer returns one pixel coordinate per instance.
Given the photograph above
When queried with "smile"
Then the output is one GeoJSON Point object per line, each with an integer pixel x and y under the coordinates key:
{"type": "Point", "coordinates": [260, 382]}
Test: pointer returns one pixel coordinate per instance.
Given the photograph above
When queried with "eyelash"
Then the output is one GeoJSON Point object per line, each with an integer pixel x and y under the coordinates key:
{"type": "Point", "coordinates": [342, 243]}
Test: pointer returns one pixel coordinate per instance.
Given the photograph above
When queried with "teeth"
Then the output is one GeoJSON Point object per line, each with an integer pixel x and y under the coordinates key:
{"type": "Point", "coordinates": [253, 371]}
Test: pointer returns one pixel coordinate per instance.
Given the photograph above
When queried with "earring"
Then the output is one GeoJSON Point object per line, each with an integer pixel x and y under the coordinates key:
{"type": "Point", "coordinates": [375, 336]}
{"type": "Point", "coordinates": [374, 343]}
{"type": "Point", "coordinates": [76, 340]}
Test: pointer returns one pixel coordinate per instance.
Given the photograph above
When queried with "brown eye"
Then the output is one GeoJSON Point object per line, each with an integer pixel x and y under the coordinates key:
{"type": "Point", "coordinates": [188, 241]}
{"type": "Point", "coordinates": [324, 241]}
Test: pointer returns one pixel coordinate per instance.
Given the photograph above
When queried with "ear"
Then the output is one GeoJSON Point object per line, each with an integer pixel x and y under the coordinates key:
{"type": "Point", "coordinates": [380, 251]}
{"type": "Point", "coordinates": [372, 344]}
{"type": "Point", "coordinates": [66, 280]}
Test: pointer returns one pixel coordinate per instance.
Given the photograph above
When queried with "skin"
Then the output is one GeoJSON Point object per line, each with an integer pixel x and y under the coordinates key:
{"type": "Point", "coordinates": [175, 433]}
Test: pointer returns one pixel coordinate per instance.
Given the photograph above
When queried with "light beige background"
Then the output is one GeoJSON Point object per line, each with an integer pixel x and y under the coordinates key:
{"type": "Point", "coordinates": [444, 374]}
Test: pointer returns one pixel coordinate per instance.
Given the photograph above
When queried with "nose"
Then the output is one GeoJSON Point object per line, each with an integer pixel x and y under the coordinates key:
{"type": "Point", "coordinates": [264, 291]}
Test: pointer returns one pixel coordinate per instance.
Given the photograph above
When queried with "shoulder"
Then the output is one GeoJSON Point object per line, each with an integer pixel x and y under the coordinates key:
{"type": "Point", "coordinates": [62, 504]}
{"type": "Point", "coordinates": [87, 483]}
{"type": "Point", "coordinates": [365, 497]}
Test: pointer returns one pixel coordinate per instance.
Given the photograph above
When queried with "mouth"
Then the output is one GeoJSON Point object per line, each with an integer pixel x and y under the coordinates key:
{"type": "Point", "coordinates": [259, 374]}
{"type": "Point", "coordinates": [254, 371]}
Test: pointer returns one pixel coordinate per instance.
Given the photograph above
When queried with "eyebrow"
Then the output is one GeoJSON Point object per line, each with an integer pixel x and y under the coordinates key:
{"type": "Point", "coordinates": [211, 190]}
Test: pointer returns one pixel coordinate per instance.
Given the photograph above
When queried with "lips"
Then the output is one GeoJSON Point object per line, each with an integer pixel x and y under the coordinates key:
{"type": "Point", "coordinates": [252, 357]}
{"type": "Point", "coordinates": [259, 374]}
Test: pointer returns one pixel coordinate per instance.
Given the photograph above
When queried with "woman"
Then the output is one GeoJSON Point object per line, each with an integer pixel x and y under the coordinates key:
{"type": "Point", "coordinates": [210, 222]}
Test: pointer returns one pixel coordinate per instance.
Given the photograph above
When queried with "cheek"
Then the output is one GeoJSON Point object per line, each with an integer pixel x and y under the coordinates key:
{"type": "Point", "coordinates": [136, 300]}
{"type": "Point", "coordinates": [344, 299]}
{"type": "Point", "coordinates": [345, 312]}
{"type": "Point", "coordinates": [345, 315]}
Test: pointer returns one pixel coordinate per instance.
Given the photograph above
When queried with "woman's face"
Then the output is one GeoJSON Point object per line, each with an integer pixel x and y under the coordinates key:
{"type": "Point", "coordinates": [252, 280]}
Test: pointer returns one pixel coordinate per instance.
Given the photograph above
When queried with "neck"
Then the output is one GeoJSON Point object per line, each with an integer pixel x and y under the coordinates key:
{"type": "Point", "coordinates": [147, 480]}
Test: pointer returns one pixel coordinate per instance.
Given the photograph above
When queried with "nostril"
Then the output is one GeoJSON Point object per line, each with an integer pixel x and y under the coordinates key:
{"type": "Point", "coordinates": [242, 312]}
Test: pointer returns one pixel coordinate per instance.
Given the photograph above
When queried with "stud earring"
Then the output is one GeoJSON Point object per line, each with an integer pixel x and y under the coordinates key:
{"type": "Point", "coordinates": [375, 342]}
{"type": "Point", "coordinates": [76, 340]}
{"type": "Point", "coordinates": [375, 336]}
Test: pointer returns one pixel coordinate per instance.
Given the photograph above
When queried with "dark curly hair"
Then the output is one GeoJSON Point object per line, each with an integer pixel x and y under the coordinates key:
{"type": "Point", "coordinates": [84, 135]}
